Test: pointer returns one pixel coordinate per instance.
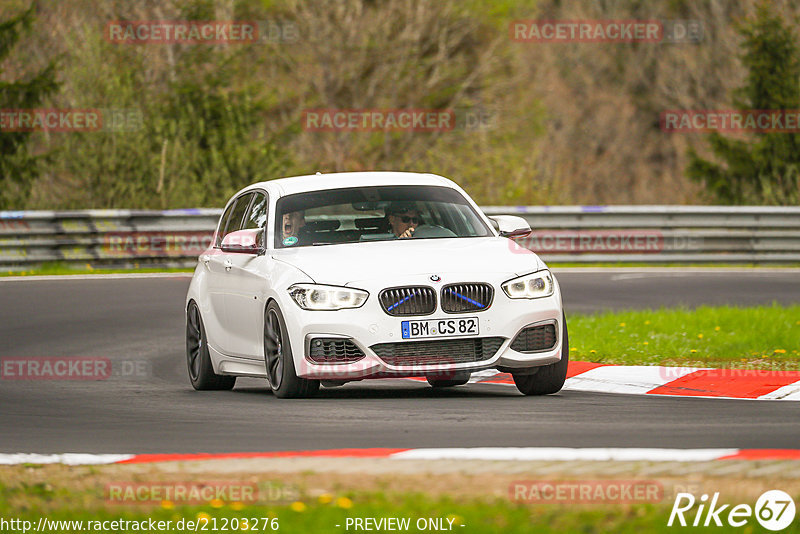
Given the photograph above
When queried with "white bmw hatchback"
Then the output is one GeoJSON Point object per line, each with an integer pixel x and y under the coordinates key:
{"type": "Point", "coordinates": [339, 277]}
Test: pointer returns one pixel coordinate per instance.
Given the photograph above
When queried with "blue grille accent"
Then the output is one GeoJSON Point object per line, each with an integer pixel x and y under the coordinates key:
{"type": "Point", "coordinates": [473, 302]}
{"type": "Point", "coordinates": [408, 301]}
{"type": "Point", "coordinates": [468, 297]}
{"type": "Point", "coordinates": [398, 303]}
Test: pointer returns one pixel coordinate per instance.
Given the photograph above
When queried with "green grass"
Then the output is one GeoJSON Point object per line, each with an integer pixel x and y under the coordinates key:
{"type": "Point", "coordinates": [322, 515]}
{"type": "Point", "coordinates": [61, 268]}
{"type": "Point", "coordinates": [758, 337]}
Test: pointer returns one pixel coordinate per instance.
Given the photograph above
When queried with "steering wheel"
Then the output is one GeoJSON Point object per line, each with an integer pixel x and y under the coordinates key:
{"type": "Point", "coordinates": [432, 230]}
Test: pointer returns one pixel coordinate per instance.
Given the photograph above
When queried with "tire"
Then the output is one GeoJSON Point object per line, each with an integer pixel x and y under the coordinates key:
{"type": "Point", "coordinates": [198, 360]}
{"type": "Point", "coordinates": [278, 359]}
{"type": "Point", "coordinates": [458, 380]}
{"type": "Point", "coordinates": [549, 378]}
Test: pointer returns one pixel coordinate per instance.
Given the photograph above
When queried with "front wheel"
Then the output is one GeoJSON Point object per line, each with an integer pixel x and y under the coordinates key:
{"type": "Point", "coordinates": [549, 378]}
{"type": "Point", "coordinates": [201, 372]}
{"type": "Point", "coordinates": [278, 359]}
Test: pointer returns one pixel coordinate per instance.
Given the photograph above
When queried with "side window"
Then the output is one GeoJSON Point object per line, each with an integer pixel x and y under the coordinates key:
{"type": "Point", "coordinates": [256, 216]}
{"type": "Point", "coordinates": [222, 222]}
{"type": "Point", "coordinates": [234, 221]}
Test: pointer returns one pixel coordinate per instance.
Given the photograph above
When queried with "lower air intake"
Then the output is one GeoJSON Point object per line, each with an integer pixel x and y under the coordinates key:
{"type": "Point", "coordinates": [439, 352]}
{"type": "Point", "coordinates": [333, 350]}
{"type": "Point", "coordinates": [535, 338]}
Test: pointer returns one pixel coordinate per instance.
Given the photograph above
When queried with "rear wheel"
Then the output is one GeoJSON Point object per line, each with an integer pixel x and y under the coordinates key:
{"type": "Point", "coordinates": [201, 372]}
{"type": "Point", "coordinates": [278, 359]}
{"type": "Point", "coordinates": [549, 378]}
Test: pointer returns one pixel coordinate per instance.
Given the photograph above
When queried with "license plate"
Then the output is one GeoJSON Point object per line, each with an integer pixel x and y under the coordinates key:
{"type": "Point", "coordinates": [463, 326]}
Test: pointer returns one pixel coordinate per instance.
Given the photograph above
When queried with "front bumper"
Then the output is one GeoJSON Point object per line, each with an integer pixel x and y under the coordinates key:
{"type": "Point", "coordinates": [370, 325]}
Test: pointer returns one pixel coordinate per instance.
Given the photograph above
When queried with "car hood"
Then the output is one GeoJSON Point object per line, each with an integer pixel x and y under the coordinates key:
{"type": "Point", "coordinates": [345, 263]}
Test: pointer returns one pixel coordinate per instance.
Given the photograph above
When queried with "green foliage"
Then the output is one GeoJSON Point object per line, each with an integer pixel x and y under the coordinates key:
{"type": "Point", "coordinates": [193, 139]}
{"type": "Point", "coordinates": [570, 122]}
{"type": "Point", "coordinates": [499, 13]}
{"type": "Point", "coordinates": [18, 166]}
{"type": "Point", "coordinates": [766, 169]}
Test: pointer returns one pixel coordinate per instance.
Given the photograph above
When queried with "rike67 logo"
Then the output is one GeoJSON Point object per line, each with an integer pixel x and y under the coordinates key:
{"type": "Point", "coordinates": [774, 510]}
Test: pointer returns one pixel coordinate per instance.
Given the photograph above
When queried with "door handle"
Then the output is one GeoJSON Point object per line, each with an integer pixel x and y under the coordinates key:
{"type": "Point", "coordinates": [228, 264]}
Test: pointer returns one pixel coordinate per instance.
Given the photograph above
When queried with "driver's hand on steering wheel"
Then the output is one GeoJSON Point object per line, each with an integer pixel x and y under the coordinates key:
{"type": "Point", "coordinates": [408, 233]}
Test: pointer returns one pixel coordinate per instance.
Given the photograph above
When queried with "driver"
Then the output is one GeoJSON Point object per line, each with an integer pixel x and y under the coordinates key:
{"type": "Point", "coordinates": [404, 217]}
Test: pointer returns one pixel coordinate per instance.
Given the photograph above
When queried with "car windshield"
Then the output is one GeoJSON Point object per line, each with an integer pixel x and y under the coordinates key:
{"type": "Point", "coordinates": [379, 213]}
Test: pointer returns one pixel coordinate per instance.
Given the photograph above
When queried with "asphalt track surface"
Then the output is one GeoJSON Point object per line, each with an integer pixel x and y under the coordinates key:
{"type": "Point", "coordinates": [141, 321]}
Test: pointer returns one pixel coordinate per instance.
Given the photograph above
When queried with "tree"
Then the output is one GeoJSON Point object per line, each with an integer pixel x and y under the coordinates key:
{"type": "Point", "coordinates": [18, 167]}
{"type": "Point", "coordinates": [764, 169]}
{"type": "Point", "coordinates": [203, 133]}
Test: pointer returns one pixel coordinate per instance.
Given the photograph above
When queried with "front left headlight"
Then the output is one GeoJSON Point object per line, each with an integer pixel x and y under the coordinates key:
{"type": "Point", "coordinates": [530, 286]}
{"type": "Point", "coordinates": [319, 297]}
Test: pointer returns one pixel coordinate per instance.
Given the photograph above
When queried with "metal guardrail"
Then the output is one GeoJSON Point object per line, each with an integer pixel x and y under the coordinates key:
{"type": "Point", "coordinates": [575, 234]}
{"type": "Point", "coordinates": [121, 238]}
{"type": "Point", "coordinates": [662, 234]}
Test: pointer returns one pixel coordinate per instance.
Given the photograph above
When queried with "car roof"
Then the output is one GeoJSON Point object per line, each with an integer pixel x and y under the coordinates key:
{"type": "Point", "coordinates": [320, 181]}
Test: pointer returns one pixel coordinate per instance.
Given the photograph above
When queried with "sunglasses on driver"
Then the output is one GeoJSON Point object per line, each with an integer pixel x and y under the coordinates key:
{"type": "Point", "coordinates": [407, 219]}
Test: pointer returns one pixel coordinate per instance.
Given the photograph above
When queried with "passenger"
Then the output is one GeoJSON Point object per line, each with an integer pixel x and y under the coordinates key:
{"type": "Point", "coordinates": [293, 221]}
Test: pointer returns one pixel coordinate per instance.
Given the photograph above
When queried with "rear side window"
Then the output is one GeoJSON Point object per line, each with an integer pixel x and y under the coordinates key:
{"type": "Point", "coordinates": [235, 214]}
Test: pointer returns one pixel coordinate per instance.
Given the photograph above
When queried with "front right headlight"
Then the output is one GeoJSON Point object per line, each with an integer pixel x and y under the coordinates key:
{"type": "Point", "coordinates": [321, 297]}
{"type": "Point", "coordinates": [530, 286]}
